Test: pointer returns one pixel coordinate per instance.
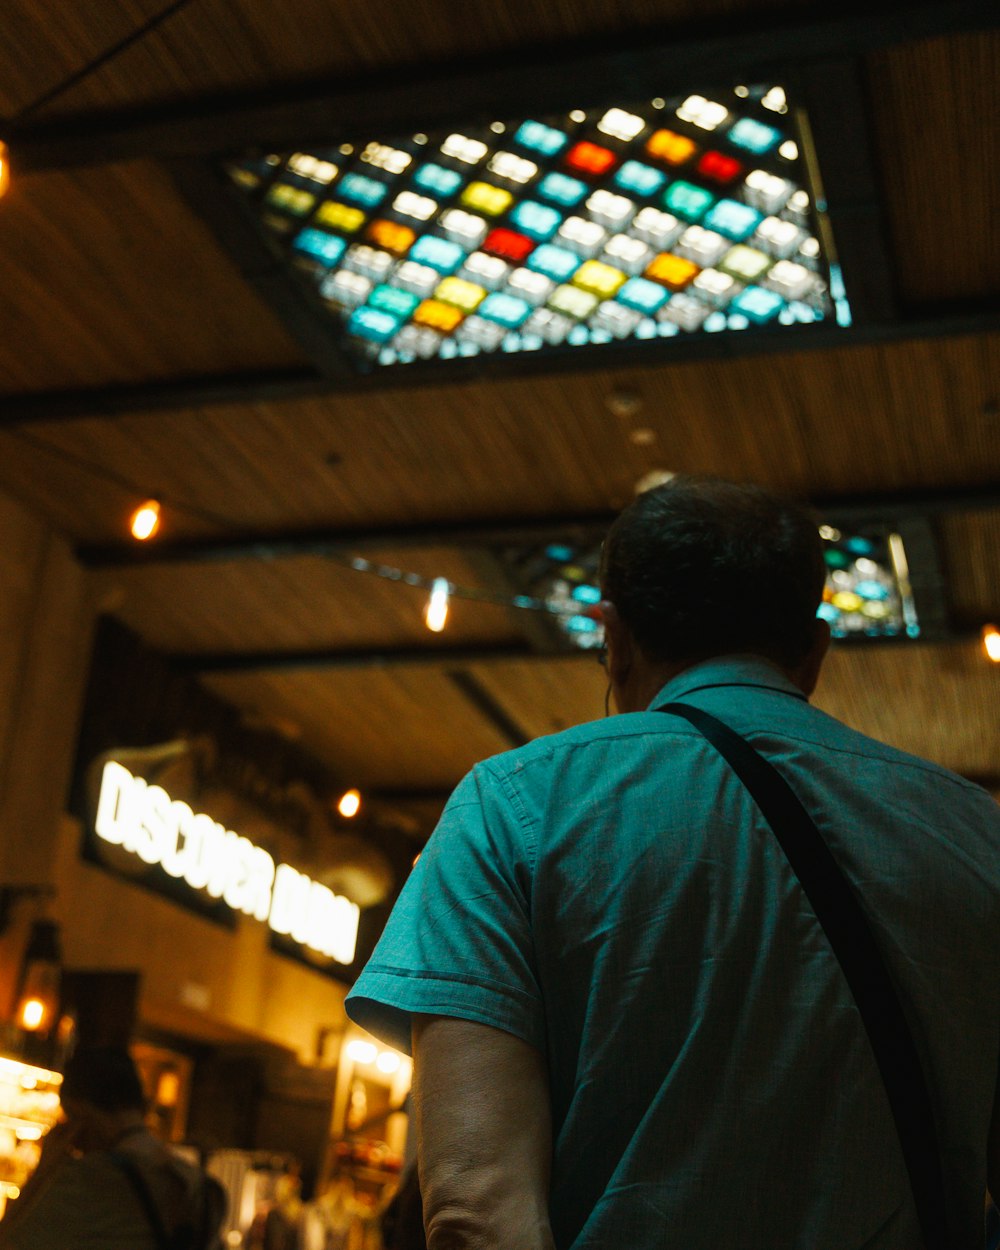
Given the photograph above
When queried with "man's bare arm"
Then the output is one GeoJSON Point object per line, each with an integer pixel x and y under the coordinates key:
{"type": "Point", "coordinates": [484, 1137]}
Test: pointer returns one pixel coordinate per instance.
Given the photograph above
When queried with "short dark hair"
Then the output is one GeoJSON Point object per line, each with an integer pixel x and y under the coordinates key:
{"type": "Point", "coordinates": [700, 567]}
{"type": "Point", "coordinates": [106, 1077]}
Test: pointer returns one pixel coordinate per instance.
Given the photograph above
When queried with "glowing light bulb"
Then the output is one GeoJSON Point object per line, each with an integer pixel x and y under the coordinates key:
{"type": "Point", "coordinates": [4, 169]}
{"type": "Point", "coordinates": [350, 804]}
{"type": "Point", "coordinates": [145, 520]}
{"type": "Point", "coordinates": [362, 1052]}
{"type": "Point", "coordinates": [437, 606]}
{"type": "Point", "coordinates": [388, 1062]}
{"type": "Point", "coordinates": [32, 1014]}
{"type": "Point", "coordinates": [991, 643]}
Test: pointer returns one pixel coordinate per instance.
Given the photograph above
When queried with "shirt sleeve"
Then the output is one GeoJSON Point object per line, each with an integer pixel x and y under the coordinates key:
{"type": "Point", "coordinates": [459, 942]}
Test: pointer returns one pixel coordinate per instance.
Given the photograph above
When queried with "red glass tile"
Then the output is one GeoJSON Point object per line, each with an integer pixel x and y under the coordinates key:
{"type": "Point", "coordinates": [719, 167]}
{"type": "Point", "coordinates": [588, 158]}
{"type": "Point", "coordinates": [508, 245]}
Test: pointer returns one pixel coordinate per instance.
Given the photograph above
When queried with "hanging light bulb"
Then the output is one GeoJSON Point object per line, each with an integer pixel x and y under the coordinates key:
{"type": "Point", "coordinates": [145, 520]}
{"type": "Point", "coordinates": [350, 804]}
{"type": "Point", "coordinates": [437, 606]}
{"type": "Point", "coordinates": [991, 643]}
{"type": "Point", "coordinates": [4, 169]}
{"type": "Point", "coordinates": [38, 995]}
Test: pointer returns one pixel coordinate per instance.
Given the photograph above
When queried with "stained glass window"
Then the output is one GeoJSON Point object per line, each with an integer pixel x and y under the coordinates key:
{"type": "Point", "coordinates": [673, 217]}
{"type": "Point", "coordinates": [867, 593]}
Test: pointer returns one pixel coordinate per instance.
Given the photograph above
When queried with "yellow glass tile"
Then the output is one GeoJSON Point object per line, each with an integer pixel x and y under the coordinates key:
{"type": "Point", "coordinates": [438, 316]}
{"type": "Point", "coordinates": [847, 601]}
{"type": "Point", "coordinates": [668, 146]}
{"type": "Point", "coordinates": [487, 199]}
{"type": "Point", "coordinates": [292, 199]}
{"type": "Point", "coordinates": [598, 278]}
{"type": "Point", "coordinates": [340, 217]}
{"type": "Point", "coordinates": [673, 271]}
{"type": "Point", "coordinates": [392, 236]}
{"type": "Point", "coordinates": [464, 295]}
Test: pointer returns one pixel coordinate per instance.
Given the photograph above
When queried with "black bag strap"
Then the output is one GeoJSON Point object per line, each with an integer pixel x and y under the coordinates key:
{"type": "Point", "coordinates": [850, 935]}
{"type": "Point", "coordinates": [131, 1170]}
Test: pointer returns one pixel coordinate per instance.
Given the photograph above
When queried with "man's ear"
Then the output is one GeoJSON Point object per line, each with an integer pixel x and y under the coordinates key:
{"type": "Point", "coordinates": [618, 639]}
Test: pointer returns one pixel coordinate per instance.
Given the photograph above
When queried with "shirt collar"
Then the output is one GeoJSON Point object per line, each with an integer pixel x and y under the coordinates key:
{"type": "Point", "coordinates": [727, 670]}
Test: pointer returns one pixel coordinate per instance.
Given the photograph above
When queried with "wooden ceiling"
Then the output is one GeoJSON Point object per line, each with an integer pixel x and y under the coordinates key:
{"type": "Point", "coordinates": [118, 303]}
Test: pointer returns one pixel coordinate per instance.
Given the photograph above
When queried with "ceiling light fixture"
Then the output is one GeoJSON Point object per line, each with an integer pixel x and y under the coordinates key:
{"type": "Point", "coordinates": [350, 804]}
{"type": "Point", "coordinates": [436, 614]}
{"type": "Point", "coordinates": [991, 643]}
{"type": "Point", "coordinates": [145, 520]}
{"type": "Point", "coordinates": [4, 169]}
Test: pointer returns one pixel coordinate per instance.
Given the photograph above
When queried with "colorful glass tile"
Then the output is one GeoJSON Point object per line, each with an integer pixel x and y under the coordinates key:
{"type": "Point", "coordinates": [444, 255]}
{"type": "Point", "coordinates": [555, 262]}
{"type": "Point", "coordinates": [757, 304]}
{"type": "Point", "coordinates": [572, 302]}
{"type": "Point", "coordinates": [359, 189]}
{"type": "Point", "coordinates": [291, 199]}
{"type": "Point", "coordinates": [371, 262]}
{"type": "Point", "coordinates": [673, 271]}
{"type": "Point", "coordinates": [591, 158]}
{"type": "Point", "coordinates": [318, 245]}
{"type": "Point", "coordinates": [562, 189]}
{"type": "Point", "coordinates": [464, 228]}
{"type": "Point", "coordinates": [340, 217]}
{"type": "Point", "coordinates": [670, 147]}
{"type": "Point", "coordinates": [613, 211]}
{"type": "Point", "coordinates": [438, 316]}
{"type": "Point", "coordinates": [688, 200]}
{"type": "Point", "coordinates": [393, 300]}
{"type": "Point", "coordinates": [383, 156]}
{"type": "Point", "coordinates": [373, 324]}
{"type": "Point", "coordinates": [718, 167]}
{"type": "Point", "coordinates": [465, 295]}
{"type": "Point", "coordinates": [639, 179]}
{"type": "Point", "coordinates": [735, 220]}
{"type": "Point", "coordinates": [598, 279]}
{"type": "Point", "coordinates": [642, 295]}
{"type": "Point", "coordinates": [582, 236]}
{"type": "Point", "coordinates": [513, 168]}
{"type": "Point", "coordinates": [437, 179]}
{"type": "Point", "coordinates": [537, 221]}
{"type": "Point", "coordinates": [625, 252]}
{"type": "Point", "coordinates": [392, 236]}
{"type": "Point", "coordinates": [754, 136]}
{"type": "Point", "coordinates": [745, 264]}
{"type": "Point", "coordinates": [508, 245]}
{"type": "Point", "coordinates": [508, 310]}
{"type": "Point", "coordinates": [541, 138]}
{"type": "Point", "coordinates": [419, 207]}
{"type": "Point", "coordinates": [462, 148]}
{"type": "Point", "coordinates": [485, 198]}
{"type": "Point", "coordinates": [701, 112]}
{"type": "Point", "coordinates": [487, 271]}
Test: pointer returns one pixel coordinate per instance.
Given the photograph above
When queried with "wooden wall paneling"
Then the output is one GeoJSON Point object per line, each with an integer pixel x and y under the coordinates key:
{"type": "Point", "coordinates": [970, 547]}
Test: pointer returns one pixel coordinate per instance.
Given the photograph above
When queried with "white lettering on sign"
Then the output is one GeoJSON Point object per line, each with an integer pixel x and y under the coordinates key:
{"type": "Point", "coordinates": [192, 847]}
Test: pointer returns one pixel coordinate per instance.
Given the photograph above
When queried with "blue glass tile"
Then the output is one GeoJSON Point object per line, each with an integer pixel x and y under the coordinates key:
{"type": "Point", "coordinates": [541, 138]}
{"type": "Point", "coordinates": [639, 179]}
{"type": "Point", "coordinates": [557, 552]}
{"type": "Point", "coordinates": [687, 200]}
{"type": "Point", "coordinates": [871, 590]}
{"type": "Point", "coordinates": [860, 546]}
{"type": "Point", "coordinates": [508, 310]}
{"type": "Point", "coordinates": [555, 262]}
{"type": "Point", "coordinates": [373, 324]}
{"type": "Point", "coordinates": [361, 190]}
{"type": "Point", "coordinates": [441, 254]}
{"type": "Point", "coordinates": [643, 295]}
{"type": "Point", "coordinates": [757, 304]}
{"type": "Point", "coordinates": [582, 625]}
{"type": "Point", "coordinates": [587, 594]}
{"type": "Point", "coordinates": [392, 300]}
{"type": "Point", "coordinates": [437, 179]}
{"type": "Point", "coordinates": [562, 189]}
{"type": "Point", "coordinates": [754, 136]}
{"type": "Point", "coordinates": [537, 221]}
{"type": "Point", "coordinates": [326, 248]}
{"type": "Point", "coordinates": [827, 612]}
{"type": "Point", "coordinates": [735, 220]}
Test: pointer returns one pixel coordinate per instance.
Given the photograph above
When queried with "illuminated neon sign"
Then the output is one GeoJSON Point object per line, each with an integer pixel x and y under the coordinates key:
{"type": "Point", "coordinates": [192, 847]}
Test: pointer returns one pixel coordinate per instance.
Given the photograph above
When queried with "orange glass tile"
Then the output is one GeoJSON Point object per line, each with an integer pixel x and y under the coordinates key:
{"type": "Point", "coordinates": [392, 236]}
{"type": "Point", "coordinates": [673, 271]}
{"type": "Point", "coordinates": [668, 146]}
{"type": "Point", "coordinates": [437, 316]}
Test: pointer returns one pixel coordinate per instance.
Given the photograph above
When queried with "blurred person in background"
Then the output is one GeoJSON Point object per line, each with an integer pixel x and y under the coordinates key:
{"type": "Point", "coordinates": [630, 1027]}
{"type": "Point", "coordinates": [104, 1182]}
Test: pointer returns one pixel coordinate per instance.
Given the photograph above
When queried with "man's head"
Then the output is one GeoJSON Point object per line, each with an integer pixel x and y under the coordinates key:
{"type": "Point", "coordinates": [701, 567]}
{"type": "Point", "coordinates": [102, 1095]}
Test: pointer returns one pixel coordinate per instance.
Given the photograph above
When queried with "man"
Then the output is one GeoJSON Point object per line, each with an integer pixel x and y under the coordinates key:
{"type": "Point", "coordinates": [630, 1031]}
{"type": "Point", "coordinates": [104, 1181]}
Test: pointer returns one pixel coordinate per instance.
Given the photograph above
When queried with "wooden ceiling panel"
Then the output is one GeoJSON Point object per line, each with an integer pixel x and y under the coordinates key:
{"type": "Point", "coordinates": [237, 45]}
{"type": "Point", "coordinates": [116, 280]}
{"type": "Point", "coordinates": [858, 420]}
{"type": "Point", "coordinates": [970, 547]}
{"type": "Point", "coordinates": [404, 728]}
{"type": "Point", "coordinates": [941, 702]}
{"type": "Point", "coordinates": [298, 604]}
{"type": "Point", "coordinates": [937, 122]}
{"type": "Point", "coordinates": [545, 698]}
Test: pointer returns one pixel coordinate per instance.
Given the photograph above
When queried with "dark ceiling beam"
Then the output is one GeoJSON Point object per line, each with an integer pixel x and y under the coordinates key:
{"type": "Point", "coordinates": [221, 664]}
{"type": "Point", "coordinates": [543, 79]}
{"type": "Point", "coordinates": [275, 385]}
{"type": "Point", "coordinates": [840, 509]}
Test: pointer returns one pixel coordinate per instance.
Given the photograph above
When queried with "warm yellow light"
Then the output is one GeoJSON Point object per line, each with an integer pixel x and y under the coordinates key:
{"type": "Point", "coordinates": [436, 614]}
{"type": "Point", "coordinates": [4, 168]}
{"type": "Point", "coordinates": [388, 1062]}
{"type": "Point", "coordinates": [33, 1014]}
{"type": "Point", "coordinates": [145, 520]}
{"type": "Point", "coordinates": [350, 804]}
{"type": "Point", "coordinates": [991, 643]}
{"type": "Point", "coordinates": [362, 1052]}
